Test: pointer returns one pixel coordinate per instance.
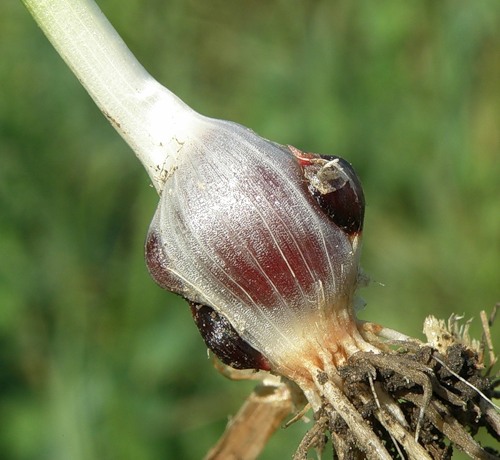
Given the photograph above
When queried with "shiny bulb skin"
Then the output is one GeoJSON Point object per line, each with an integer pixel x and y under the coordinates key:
{"type": "Point", "coordinates": [268, 238]}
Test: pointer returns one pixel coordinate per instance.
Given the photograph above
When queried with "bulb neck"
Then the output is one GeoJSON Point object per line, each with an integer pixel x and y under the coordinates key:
{"type": "Point", "coordinates": [150, 118]}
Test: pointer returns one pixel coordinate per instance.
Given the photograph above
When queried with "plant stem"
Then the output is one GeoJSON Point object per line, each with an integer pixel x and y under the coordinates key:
{"type": "Point", "coordinates": [151, 119]}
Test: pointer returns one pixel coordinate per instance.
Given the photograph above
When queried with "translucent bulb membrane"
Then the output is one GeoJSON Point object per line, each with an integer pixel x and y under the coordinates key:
{"type": "Point", "coordinates": [238, 230]}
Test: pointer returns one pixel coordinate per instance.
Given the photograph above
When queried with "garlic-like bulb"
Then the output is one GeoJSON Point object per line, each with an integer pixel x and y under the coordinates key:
{"type": "Point", "coordinates": [268, 239]}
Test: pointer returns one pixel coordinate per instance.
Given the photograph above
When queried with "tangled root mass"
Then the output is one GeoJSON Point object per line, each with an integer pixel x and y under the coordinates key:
{"type": "Point", "coordinates": [419, 404]}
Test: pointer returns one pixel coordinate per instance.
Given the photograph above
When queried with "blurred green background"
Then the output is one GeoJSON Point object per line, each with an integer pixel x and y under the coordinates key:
{"type": "Point", "coordinates": [96, 362]}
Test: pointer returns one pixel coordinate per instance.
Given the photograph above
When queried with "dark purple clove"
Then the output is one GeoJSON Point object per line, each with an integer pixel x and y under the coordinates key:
{"type": "Point", "coordinates": [222, 339]}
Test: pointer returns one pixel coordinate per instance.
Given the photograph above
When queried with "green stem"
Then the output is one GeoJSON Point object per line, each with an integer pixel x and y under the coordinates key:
{"type": "Point", "coordinates": [151, 119]}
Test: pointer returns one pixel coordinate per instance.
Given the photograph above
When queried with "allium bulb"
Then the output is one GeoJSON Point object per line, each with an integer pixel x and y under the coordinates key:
{"type": "Point", "coordinates": [266, 240]}
{"type": "Point", "coordinates": [263, 241]}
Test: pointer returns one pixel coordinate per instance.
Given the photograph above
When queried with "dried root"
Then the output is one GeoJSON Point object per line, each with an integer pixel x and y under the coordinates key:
{"type": "Point", "coordinates": [411, 401]}
{"type": "Point", "coordinates": [416, 402]}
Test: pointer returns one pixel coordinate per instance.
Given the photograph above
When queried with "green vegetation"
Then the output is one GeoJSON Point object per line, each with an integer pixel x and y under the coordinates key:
{"type": "Point", "coordinates": [96, 362]}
